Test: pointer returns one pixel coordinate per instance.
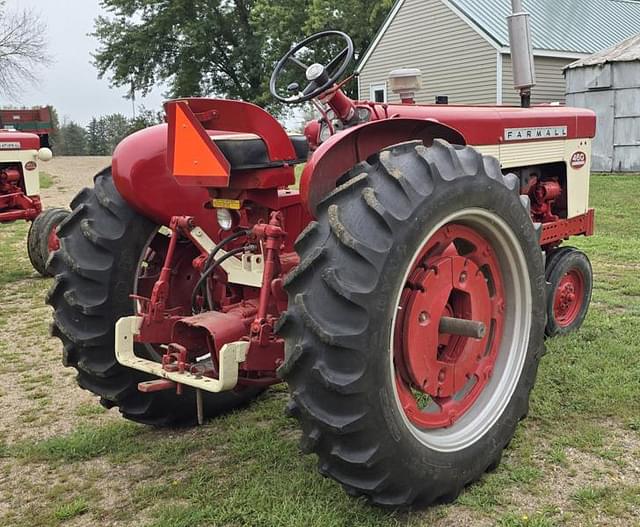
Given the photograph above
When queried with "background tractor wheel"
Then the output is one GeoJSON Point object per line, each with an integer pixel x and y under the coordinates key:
{"type": "Point", "coordinates": [42, 239]}
{"type": "Point", "coordinates": [570, 279]}
{"type": "Point", "coordinates": [396, 402]}
{"type": "Point", "coordinates": [107, 252]}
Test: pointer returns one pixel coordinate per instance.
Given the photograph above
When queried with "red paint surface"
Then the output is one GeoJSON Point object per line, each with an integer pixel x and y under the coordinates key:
{"type": "Point", "coordinates": [26, 140]}
{"type": "Point", "coordinates": [446, 281]}
{"type": "Point", "coordinates": [19, 207]}
{"type": "Point", "coordinates": [554, 232]}
{"type": "Point", "coordinates": [568, 298]}
{"type": "Point", "coordinates": [53, 242]}
{"type": "Point", "coordinates": [141, 175]}
{"type": "Point", "coordinates": [343, 151]}
{"type": "Point", "coordinates": [484, 125]}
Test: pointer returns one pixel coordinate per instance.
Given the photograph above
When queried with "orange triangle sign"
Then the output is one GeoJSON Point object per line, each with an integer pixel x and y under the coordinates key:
{"type": "Point", "coordinates": [194, 157]}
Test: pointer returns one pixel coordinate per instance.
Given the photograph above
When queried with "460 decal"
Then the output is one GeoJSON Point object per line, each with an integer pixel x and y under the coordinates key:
{"type": "Point", "coordinates": [578, 160]}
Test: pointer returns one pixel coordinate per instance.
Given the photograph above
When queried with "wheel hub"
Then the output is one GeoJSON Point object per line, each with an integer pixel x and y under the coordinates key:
{"type": "Point", "coordinates": [568, 298]}
{"type": "Point", "coordinates": [440, 372]}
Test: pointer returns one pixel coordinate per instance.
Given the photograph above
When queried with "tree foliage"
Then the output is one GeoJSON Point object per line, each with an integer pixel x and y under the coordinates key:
{"type": "Point", "coordinates": [102, 134]}
{"type": "Point", "coordinates": [218, 47]}
{"type": "Point", "coordinates": [72, 140]}
{"type": "Point", "coordinates": [23, 46]}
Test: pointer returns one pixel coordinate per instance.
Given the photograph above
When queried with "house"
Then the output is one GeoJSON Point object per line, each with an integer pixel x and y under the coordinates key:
{"type": "Point", "coordinates": [609, 83]}
{"type": "Point", "coordinates": [462, 46]}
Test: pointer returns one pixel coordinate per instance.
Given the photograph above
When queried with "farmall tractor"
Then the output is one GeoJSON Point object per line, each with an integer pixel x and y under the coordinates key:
{"type": "Point", "coordinates": [20, 155]}
{"type": "Point", "coordinates": [401, 292]}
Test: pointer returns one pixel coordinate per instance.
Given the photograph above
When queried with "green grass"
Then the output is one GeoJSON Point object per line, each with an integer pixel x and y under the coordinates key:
{"type": "Point", "coordinates": [71, 509]}
{"type": "Point", "coordinates": [564, 466]}
{"type": "Point", "coordinates": [298, 170]}
{"type": "Point", "coordinates": [46, 181]}
{"type": "Point", "coordinates": [14, 262]}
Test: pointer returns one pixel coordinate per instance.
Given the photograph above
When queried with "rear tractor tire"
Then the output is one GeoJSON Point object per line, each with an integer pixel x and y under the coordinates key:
{"type": "Point", "coordinates": [104, 245]}
{"type": "Point", "coordinates": [397, 404]}
{"type": "Point", "coordinates": [42, 239]}
{"type": "Point", "coordinates": [570, 278]}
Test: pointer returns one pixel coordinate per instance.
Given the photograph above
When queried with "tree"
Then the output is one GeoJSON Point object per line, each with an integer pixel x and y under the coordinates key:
{"type": "Point", "coordinates": [104, 133]}
{"type": "Point", "coordinates": [96, 138]}
{"type": "Point", "coordinates": [22, 49]}
{"type": "Point", "coordinates": [54, 135]}
{"type": "Point", "coordinates": [72, 140]}
{"type": "Point", "coordinates": [144, 119]}
{"type": "Point", "coordinates": [218, 47]}
{"type": "Point", "coordinates": [116, 127]}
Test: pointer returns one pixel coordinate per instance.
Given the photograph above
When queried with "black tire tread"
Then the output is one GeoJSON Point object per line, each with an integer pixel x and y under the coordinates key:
{"type": "Point", "coordinates": [325, 367]}
{"type": "Point", "coordinates": [101, 241]}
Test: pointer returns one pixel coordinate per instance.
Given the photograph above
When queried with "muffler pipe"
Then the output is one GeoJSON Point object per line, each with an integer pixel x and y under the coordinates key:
{"type": "Point", "coordinates": [520, 41]}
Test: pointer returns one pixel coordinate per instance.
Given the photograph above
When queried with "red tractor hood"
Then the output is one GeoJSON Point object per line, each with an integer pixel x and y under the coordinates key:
{"type": "Point", "coordinates": [12, 140]}
{"type": "Point", "coordinates": [491, 125]}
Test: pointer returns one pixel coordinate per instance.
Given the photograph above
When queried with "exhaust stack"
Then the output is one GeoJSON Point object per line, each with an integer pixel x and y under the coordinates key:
{"type": "Point", "coordinates": [524, 73]}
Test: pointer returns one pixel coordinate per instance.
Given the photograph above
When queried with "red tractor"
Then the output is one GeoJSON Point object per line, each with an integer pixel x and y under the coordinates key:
{"type": "Point", "coordinates": [20, 155]}
{"type": "Point", "coordinates": [401, 292]}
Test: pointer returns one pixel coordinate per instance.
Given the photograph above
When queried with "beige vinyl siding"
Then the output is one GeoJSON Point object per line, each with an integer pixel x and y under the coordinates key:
{"type": "Point", "coordinates": [550, 80]}
{"type": "Point", "coordinates": [453, 58]}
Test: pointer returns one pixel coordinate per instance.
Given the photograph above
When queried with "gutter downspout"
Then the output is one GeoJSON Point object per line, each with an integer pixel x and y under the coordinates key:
{"type": "Point", "coordinates": [499, 77]}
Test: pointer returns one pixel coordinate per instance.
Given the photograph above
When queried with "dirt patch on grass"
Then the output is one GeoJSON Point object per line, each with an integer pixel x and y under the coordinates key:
{"type": "Point", "coordinates": [36, 390]}
{"type": "Point", "coordinates": [46, 492]}
{"type": "Point", "coordinates": [587, 482]}
{"type": "Point", "coordinates": [71, 175]}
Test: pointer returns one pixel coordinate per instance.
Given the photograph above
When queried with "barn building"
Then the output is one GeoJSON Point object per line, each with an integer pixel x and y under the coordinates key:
{"type": "Point", "coordinates": [462, 46]}
{"type": "Point", "coordinates": [609, 83]}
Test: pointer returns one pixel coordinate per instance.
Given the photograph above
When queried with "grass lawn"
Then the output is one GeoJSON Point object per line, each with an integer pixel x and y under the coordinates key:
{"type": "Point", "coordinates": [575, 461]}
{"type": "Point", "coordinates": [46, 181]}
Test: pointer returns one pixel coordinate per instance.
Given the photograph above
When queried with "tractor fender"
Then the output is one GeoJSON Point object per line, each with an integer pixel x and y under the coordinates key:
{"type": "Point", "coordinates": [343, 151]}
{"type": "Point", "coordinates": [143, 179]}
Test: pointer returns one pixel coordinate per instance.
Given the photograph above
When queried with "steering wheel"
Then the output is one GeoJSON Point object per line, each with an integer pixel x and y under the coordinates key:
{"type": "Point", "coordinates": [318, 77]}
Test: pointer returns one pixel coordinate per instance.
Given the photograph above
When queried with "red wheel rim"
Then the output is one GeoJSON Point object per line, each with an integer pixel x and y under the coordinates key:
{"type": "Point", "coordinates": [53, 242]}
{"type": "Point", "coordinates": [568, 298]}
{"type": "Point", "coordinates": [439, 376]}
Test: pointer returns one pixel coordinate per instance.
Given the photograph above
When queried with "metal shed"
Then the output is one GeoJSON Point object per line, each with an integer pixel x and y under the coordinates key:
{"type": "Point", "coordinates": [609, 83]}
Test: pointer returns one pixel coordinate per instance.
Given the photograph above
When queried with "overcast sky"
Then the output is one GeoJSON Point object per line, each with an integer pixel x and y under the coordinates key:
{"type": "Point", "coordinates": [70, 83]}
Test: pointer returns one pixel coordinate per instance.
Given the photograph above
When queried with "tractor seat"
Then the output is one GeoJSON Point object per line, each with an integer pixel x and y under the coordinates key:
{"type": "Point", "coordinates": [248, 151]}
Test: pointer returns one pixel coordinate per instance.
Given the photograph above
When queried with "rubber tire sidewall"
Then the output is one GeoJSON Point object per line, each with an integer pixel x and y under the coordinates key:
{"type": "Point", "coordinates": [33, 246]}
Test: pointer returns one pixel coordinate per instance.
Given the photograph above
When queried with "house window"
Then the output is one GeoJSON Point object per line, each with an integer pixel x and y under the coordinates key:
{"type": "Point", "coordinates": [378, 92]}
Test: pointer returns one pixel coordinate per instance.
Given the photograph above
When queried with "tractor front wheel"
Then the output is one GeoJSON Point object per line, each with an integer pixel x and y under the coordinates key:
{"type": "Point", "coordinates": [570, 280]}
{"type": "Point", "coordinates": [415, 323]}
